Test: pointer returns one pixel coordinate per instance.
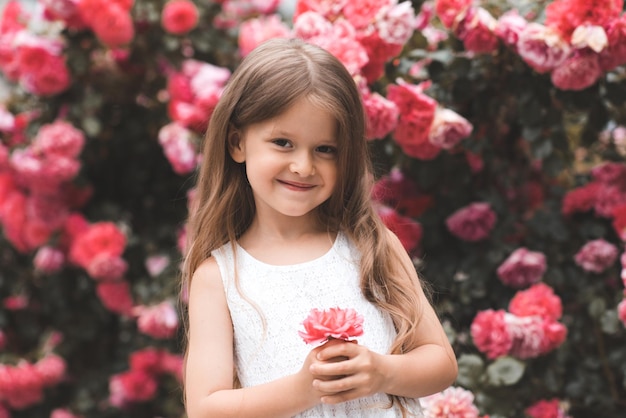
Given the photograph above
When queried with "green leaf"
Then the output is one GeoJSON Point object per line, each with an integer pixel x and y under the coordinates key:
{"type": "Point", "coordinates": [505, 371]}
{"type": "Point", "coordinates": [471, 368]}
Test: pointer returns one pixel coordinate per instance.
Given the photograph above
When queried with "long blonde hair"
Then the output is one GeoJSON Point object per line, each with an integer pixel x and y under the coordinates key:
{"type": "Point", "coordinates": [265, 84]}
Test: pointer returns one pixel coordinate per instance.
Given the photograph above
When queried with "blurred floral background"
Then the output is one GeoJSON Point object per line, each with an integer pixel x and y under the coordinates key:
{"type": "Point", "coordinates": [498, 129]}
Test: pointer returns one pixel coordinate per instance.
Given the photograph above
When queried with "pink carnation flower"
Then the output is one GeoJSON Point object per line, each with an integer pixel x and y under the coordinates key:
{"type": "Point", "coordinates": [473, 222]}
{"type": "Point", "coordinates": [448, 129]}
{"type": "Point", "coordinates": [596, 256]}
{"type": "Point", "coordinates": [21, 386]}
{"type": "Point", "coordinates": [537, 300]}
{"type": "Point", "coordinates": [522, 268]}
{"type": "Point", "coordinates": [490, 333]}
{"type": "Point", "coordinates": [453, 402]}
{"type": "Point", "coordinates": [179, 16]}
{"type": "Point", "coordinates": [322, 325]}
{"type": "Point", "coordinates": [158, 321]}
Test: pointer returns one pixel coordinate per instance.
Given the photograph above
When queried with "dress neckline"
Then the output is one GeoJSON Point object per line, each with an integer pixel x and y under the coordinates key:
{"type": "Point", "coordinates": [241, 251]}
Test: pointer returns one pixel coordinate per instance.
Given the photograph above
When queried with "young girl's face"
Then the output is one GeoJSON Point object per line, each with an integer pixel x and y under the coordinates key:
{"type": "Point", "coordinates": [291, 160]}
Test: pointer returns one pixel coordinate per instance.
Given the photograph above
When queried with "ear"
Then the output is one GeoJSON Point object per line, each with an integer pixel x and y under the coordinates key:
{"type": "Point", "coordinates": [236, 146]}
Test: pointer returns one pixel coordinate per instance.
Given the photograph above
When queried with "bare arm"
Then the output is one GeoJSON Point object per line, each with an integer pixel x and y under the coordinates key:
{"type": "Point", "coordinates": [209, 367]}
{"type": "Point", "coordinates": [427, 369]}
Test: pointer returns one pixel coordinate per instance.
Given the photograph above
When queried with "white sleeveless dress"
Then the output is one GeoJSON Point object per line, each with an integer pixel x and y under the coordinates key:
{"type": "Point", "coordinates": [285, 295]}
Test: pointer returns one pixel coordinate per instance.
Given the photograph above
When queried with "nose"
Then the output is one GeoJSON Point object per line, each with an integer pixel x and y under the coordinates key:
{"type": "Point", "coordinates": [302, 164]}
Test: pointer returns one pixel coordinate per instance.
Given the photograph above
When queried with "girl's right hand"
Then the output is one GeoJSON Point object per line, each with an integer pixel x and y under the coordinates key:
{"type": "Point", "coordinates": [305, 372]}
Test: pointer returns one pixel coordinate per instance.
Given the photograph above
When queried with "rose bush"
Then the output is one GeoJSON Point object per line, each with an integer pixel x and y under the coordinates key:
{"type": "Point", "coordinates": [498, 130]}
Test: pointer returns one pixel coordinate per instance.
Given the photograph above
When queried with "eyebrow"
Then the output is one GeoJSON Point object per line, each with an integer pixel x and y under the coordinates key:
{"type": "Point", "coordinates": [286, 134]}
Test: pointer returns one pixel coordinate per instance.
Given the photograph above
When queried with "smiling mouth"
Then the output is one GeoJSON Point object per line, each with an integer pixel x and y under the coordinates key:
{"type": "Point", "coordinates": [296, 186]}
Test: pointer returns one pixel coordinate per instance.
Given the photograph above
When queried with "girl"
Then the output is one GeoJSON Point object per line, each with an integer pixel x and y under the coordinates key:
{"type": "Point", "coordinates": [283, 224]}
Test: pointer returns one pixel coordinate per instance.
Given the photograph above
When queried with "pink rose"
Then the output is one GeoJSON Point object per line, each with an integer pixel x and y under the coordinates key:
{"type": "Point", "coordinates": [448, 129]}
{"type": "Point", "coordinates": [131, 386]}
{"type": "Point", "coordinates": [49, 260]}
{"type": "Point", "coordinates": [363, 13]}
{"type": "Point", "coordinates": [451, 11]}
{"type": "Point", "coordinates": [158, 321]}
{"type": "Point", "coordinates": [113, 25]}
{"type": "Point", "coordinates": [51, 77]}
{"type": "Point", "coordinates": [59, 138]}
{"type": "Point", "coordinates": [417, 113]}
{"type": "Point", "coordinates": [382, 115]}
{"type": "Point", "coordinates": [347, 49]}
{"type": "Point", "coordinates": [490, 333]}
{"type": "Point", "coordinates": [178, 147]}
{"type": "Point", "coordinates": [473, 222]}
{"type": "Point", "coordinates": [610, 173]}
{"type": "Point", "coordinates": [528, 336]}
{"type": "Point", "coordinates": [51, 369]}
{"type": "Point", "coordinates": [322, 325]}
{"type": "Point", "coordinates": [254, 32]}
{"type": "Point", "coordinates": [547, 409]}
{"type": "Point", "coordinates": [537, 300]}
{"type": "Point", "coordinates": [476, 31]}
{"type": "Point", "coordinates": [102, 238]}
{"type": "Point", "coordinates": [310, 25]}
{"type": "Point", "coordinates": [395, 23]}
{"type": "Point", "coordinates": [509, 28]}
{"type": "Point", "coordinates": [542, 48]}
{"type": "Point", "coordinates": [453, 402]}
{"type": "Point", "coordinates": [577, 72]}
{"type": "Point", "coordinates": [522, 268]}
{"type": "Point", "coordinates": [106, 267]}
{"type": "Point", "coordinates": [179, 16]}
{"type": "Point", "coordinates": [63, 413]}
{"type": "Point", "coordinates": [115, 296]}
{"type": "Point", "coordinates": [615, 54]}
{"type": "Point", "coordinates": [596, 256]}
{"type": "Point", "coordinates": [408, 231]}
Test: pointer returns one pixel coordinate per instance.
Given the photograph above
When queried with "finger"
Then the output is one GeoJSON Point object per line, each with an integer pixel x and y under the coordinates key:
{"type": "Point", "coordinates": [335, 386]}
{"type": "Point", "coordinates": [339, 397]}
{"type": "Point", "coordinates": [343, 349]}
{"type": "Point", "coordinates": [332, 368]}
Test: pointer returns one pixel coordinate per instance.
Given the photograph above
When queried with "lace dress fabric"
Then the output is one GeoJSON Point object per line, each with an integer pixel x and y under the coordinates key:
{"type": "Point", "coordinates": [268, 347]}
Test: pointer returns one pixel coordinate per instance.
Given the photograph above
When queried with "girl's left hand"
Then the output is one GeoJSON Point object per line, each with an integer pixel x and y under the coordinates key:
{"type": "Point", "coordinates": [345, 371]}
